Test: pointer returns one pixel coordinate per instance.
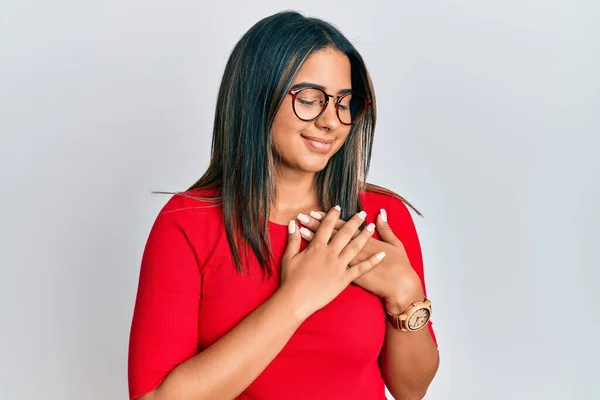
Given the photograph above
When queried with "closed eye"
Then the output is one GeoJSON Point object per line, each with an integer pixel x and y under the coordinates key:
{"type": "Point", "coordinates": [307, 102]}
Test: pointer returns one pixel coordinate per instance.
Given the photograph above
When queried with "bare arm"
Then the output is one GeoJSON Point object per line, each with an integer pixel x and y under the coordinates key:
{"type": "Point", "coordinates": [227, 367]}
{"type": "Point", "coordinates": [409, 360]}
{"type": "Point", "coordinates": [309, 280]}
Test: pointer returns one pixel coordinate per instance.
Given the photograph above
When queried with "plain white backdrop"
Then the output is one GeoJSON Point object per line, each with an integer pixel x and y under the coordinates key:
{"type": "Point", "coordinates": [489, 122]}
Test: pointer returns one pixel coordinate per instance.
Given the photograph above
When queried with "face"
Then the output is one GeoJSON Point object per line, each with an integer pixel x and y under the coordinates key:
{"type": "Point", "coordinates": [308, 146]}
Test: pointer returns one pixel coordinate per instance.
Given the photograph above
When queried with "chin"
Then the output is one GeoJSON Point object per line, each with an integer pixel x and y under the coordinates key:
{"type": "Point", "coordinates": [314, 167]}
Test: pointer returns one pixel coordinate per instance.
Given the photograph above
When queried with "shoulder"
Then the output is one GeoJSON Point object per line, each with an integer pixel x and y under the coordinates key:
{"type": "Point", "coordinates": [377, 197]}
{"type": "Point", "coordinates": [188, 225]}
{"type": "Point", "coordinates": [203, 204]}
{"type": "Point", "coordinates": [193, 217]}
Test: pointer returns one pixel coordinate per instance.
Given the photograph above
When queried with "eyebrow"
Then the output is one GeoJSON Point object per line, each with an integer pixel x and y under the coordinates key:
{"type": "Point", "coordinates": [303, 85]}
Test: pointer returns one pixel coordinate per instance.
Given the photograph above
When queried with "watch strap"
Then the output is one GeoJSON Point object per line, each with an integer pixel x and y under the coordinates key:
{"type": "Point", "coordinates": [400, 321]}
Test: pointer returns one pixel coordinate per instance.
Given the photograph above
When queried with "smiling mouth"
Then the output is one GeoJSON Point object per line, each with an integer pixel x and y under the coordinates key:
{"type": "Point", "coordinates": [318, 145]}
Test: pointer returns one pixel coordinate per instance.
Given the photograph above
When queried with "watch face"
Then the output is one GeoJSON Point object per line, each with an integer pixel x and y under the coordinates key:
{"type": "Point", "coordinates": [418, 319]}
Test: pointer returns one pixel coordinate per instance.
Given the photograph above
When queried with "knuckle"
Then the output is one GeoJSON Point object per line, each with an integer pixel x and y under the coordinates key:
{"type": "Point", "coordinates": [385, 228]}
{"type": "Point", "coordinates": [314, 225]}
{"type": "Point", "coordinates": [362, 268]}
{"type": "Point", "coordinates": [354, 246]}
{"type": "Point", "coordinates": [347, 230]}
{"type": "Point", "coordinates": [316, 246]}
{"type": "Point", "coordinates": [328, 223]}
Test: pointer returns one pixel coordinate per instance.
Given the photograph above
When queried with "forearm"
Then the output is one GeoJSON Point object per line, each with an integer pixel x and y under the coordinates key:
{"type": "Point", "coordinates": [228, 366]}
{"type": "Point", "coordinates": [409, 360]}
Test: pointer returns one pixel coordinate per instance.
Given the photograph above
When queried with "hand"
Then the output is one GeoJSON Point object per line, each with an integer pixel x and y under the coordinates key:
{"type": "Point", "coordinates": [394, 280]}
{"type": "Point", "coordinates": [315, 276]}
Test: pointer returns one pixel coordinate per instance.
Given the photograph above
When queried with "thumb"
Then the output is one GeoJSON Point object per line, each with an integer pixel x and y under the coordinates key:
{"type": "Point", "coordinates": [294, 239]}
{"type": "Point", "coordinates": [384, 230]}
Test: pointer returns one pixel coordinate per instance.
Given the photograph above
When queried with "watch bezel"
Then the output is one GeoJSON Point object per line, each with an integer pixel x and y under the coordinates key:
{"type": "Point", "coordinates": [400, 322]}
{"type": "Point", "coordinates": [413, 311]}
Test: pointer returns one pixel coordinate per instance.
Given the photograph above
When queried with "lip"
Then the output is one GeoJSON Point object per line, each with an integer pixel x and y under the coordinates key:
{"type": "Point", "coordinates": [317, 144]}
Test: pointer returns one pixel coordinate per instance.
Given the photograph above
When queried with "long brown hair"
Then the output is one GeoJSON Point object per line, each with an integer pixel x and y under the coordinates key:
{"type": "Point", "coordinates": [258, 74]}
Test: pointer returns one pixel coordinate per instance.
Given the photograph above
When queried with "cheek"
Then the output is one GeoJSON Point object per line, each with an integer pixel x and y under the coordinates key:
{"type": "Point", "coordinates": [286, 126]}
{"type": "Point", "coordinates": [342, 136]}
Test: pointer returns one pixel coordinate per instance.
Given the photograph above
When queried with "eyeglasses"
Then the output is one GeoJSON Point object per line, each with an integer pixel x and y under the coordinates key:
{"type": "Point", "coordinates": [310, 103]}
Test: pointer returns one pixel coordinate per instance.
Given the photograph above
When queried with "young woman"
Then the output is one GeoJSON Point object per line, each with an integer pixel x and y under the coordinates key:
{"type": "Point", "coordinates": [282, 274]}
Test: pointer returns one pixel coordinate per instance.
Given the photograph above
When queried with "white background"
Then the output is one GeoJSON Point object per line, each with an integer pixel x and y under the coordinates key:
{"type": "Point", "coordinates": [489, 122]}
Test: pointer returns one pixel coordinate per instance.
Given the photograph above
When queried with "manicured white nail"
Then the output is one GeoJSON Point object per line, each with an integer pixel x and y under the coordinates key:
{"type": "Point", "coordinates": [292, 227]}
{"type": "Point", "coordinates": [380, 255]}
{"type": "Point", "coordinates": [371, 227]}
{"type": "Point", "coordinates": [305, 232]}
{"type": "Point", "coordinates": [315, 215]}
{"type": "Point", "coordinates": [303, 218]}
{"type": "Point", "coordinates": [362, 215]}
{"type": "Point", "coordinates": [338, 208]}
{"type": "Point", "coordinates": [383, 215]}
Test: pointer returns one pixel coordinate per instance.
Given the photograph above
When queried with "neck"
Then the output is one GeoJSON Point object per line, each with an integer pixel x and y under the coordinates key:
{"type": "Point", "coordinates": [296, 193]}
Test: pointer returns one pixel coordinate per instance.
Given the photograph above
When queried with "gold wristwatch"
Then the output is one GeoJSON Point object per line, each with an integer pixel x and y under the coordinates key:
{"type": "Point", "coordinates": [414, 318]}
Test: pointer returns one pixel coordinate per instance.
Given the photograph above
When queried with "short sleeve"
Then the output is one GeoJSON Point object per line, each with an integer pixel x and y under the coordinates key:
{"type": "Point", "coordinates": [403, 226]}
{"type": "Point", "coordinates": [164, 329]}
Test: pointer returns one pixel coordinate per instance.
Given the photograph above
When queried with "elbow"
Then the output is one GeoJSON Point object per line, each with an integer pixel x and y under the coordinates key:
{"type": "Point", "coordinates": [149, 396]}
{"type": "Point", "coordinates": [416, 388]}
{"type": "Point", "coordinates": [409, 395]}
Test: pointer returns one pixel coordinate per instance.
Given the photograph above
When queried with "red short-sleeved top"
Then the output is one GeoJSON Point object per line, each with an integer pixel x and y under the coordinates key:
{"type": "Point", "coordinates": [190, 295]}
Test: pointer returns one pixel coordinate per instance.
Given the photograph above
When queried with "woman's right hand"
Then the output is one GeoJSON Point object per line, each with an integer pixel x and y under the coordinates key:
{"type": "Point", "coordinates": [315, 276]}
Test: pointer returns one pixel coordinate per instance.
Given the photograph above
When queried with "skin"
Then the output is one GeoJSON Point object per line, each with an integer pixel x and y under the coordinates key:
{"type": "Point", "coordinates": [409, 360]}
{"type": "Point", "coordinates": [311, 278]}
{"type": "Point", "coordinates": [330, 69]}
{"type": "Point", "coordinates": [394, 280]}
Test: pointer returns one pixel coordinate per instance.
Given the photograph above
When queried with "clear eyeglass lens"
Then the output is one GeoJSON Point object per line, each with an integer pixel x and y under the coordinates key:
{"type": "Point", "coordinates": [309, 104]}
{"type": "Point", "coordinates": [351, 108]}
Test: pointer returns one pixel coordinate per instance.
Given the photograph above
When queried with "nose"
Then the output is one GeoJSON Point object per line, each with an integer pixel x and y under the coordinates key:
{"type": "Point", "coordinates": [328, 121]}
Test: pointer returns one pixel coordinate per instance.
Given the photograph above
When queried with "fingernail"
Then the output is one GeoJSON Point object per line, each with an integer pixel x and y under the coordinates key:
{"type": "Point", "coordinates": [303, 218]}
{"type": "Point", "coordinates": [383, 215]}
{"type": "Point", "coordinates": [380, 255]}
{"type": "Point", "coordinates": [292, 227]}
{"type": "Point", "coordinates": [315, 215]}
{"type": "Point", "coordinates": [362, 215]}
{"type": "Point", "coordinates": [305, 232]}
{"type": "Point", "coordinates": [338, 208]}
{"type": "Point", "coordinates": [371, 227]}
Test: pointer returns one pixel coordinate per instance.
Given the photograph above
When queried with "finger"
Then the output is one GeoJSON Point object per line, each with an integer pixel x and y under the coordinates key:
{"type": "Point", "coordinates": [325, 230]}
{"type": "Point", "coordinates": [338, 224]}
{"type": "Point", "coordinates": [318, 215]}
{"type": "Point", "coordinates": [313, 220]}
{"type": "Point", "coordinates": [307, 234]}
{"type": "Point", "coordinates": [351, 250]}
{"type": "Point", "coordinates": [345, 234]}
{"type": "Point", "coordinates": [383, 228]}
{"type": "Point", "coordinates": [362, 268]}
{"type": "Point", "coordinates": [308, 221]}
{"type": "Point", "coordinates": [293, 244]}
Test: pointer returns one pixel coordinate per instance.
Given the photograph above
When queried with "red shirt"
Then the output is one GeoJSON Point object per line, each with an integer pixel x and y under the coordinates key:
{"type": "Point", "coordinates": [190, 295]}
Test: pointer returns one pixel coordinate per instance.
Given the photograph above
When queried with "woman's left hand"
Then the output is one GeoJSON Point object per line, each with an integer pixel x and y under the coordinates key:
{"type": "Point", "coordinates": [394, 280]}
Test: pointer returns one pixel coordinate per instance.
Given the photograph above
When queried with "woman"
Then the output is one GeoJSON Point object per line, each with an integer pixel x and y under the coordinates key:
{"type": "Point", "coordinates": [238, 300]}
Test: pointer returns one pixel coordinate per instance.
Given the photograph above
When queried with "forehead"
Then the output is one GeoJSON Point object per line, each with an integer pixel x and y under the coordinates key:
{"type": "Point", "coordinates": [329, 68]}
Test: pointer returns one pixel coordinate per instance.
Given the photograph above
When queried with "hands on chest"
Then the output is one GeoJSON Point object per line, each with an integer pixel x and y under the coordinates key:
{"type": "Point", "coordinates": [394, 279]}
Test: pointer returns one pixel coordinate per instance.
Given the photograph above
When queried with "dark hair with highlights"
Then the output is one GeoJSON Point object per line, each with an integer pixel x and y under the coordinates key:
{"type": "Point", "coordinates": [258, 74]}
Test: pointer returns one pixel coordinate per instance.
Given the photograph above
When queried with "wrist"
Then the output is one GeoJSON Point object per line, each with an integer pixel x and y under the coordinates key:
{"type": "Point", "coordinates": [296, 309]}
{"type": "Point", "coordinates": [398, 304]}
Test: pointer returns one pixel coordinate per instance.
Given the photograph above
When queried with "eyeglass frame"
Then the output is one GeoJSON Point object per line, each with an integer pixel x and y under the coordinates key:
{"type": "Point", "coordinates": [294, 93]}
